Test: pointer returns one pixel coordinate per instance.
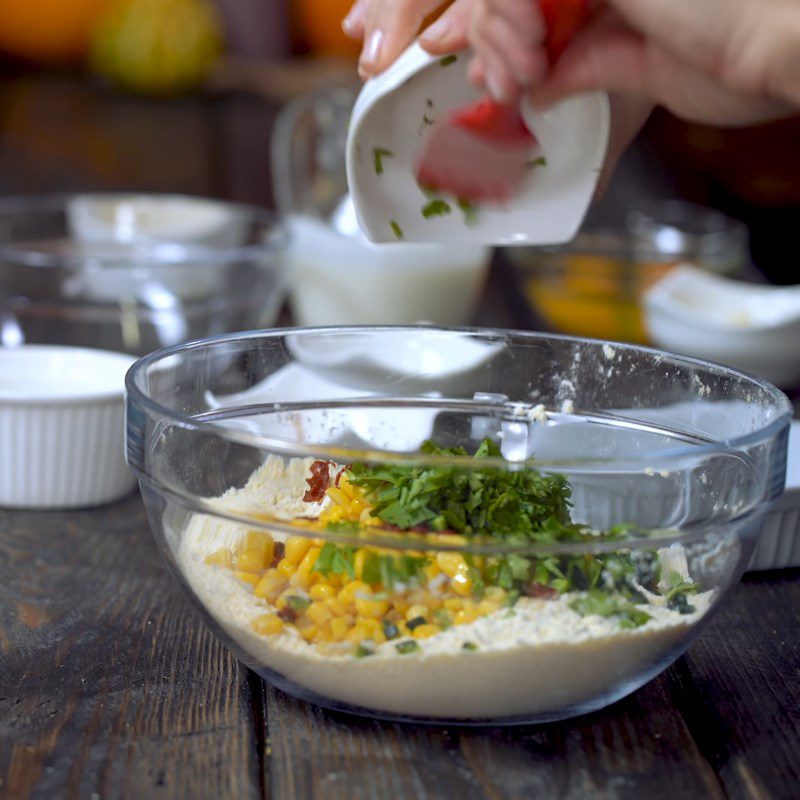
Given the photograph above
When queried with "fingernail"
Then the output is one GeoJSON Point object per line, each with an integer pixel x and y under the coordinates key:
{"type": "Point", "coordinates": [494, 86]}
{"type": "Point", "coordinates": [372, 48]}
{"type": "Point", "coordinates": [352, 19]}
{"type": "Point", "coordinates": [438, 30]}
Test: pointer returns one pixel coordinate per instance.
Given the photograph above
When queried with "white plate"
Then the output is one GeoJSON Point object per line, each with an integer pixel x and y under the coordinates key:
{"type": "Point", "coordinates": [388, 114]}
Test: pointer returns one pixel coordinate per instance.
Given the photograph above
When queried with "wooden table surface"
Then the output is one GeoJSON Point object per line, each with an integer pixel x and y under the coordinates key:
{"type": "Point", "coordinates": [110, 686]}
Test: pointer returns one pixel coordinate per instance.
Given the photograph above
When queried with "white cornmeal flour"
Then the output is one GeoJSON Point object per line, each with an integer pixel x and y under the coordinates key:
{"type": "Point", "coordinates": [536, 658]}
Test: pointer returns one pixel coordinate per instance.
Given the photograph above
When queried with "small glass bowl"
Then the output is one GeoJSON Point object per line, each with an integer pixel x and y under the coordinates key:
{"type": "Point", "coordinates": [133, 273]}
{"type": "Point", "coordinates": [593, 286]}
{"type": "Point", "coordinates": [284, 473]}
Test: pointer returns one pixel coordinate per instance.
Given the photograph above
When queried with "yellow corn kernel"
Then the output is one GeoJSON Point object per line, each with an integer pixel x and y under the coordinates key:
{"type": "Point", "coordinates": [359, 632]}
{"type": "Point", "coordinates": [487, 607]}
{"type": "Point", "coordinates": [432, 570]}
{"type": "Point", "coordinates": [303, 576]}
{"type": "Point", "coordinates": [285, 568]}
{"type": "Point", "coordinates": [322, 591]}
{"type": "Point", "coordinates": [358, 563]}
{"type": "Point", "coordinates": [324, 633]}
{"type": "Point", "coordinates": [301, 580]}
{"type": "Point", "coordinates": [462, 583]}
{"type": "Point", "coordinates": [378, 636]}
{"type": "Point", "coordinates": [247, 577]}
{"type": "Point", "coordinates": [371, 608]}
{"type": "Point", "coordinates": [349, 592]}
{"type": "Point", "coordinates": [495, 594]}
{"type": "Point", "coordinates": [310, 558]}
{"type": "Point", "coordinates": [309, 633]}
{"type": "Point", "coordinates": [454, 604]}
{"type": "Point", "coordinates": [270, 586]}
{"type": "Point", "coordinates": [295, 549]}
{"type": "Point", "coordinates": [432, 601]}
{"type": "Point", "coordinates": [337, 607]}
{"type": "Point", "coordinates": [318, 613]}
{"type": "Point", "coordinates": [251, 560]}
{"type": "Point", "coordinates": [425, 631]}
{"type": "Point", "coordinates": [338, 495]}
{"type": "Point", "coordinates": [267, 624]}
{"type": "Point", "coordinates": [340, 626]}
{"type": "Point", "coordinates": [465, 616]}
{"type": "Point", "coordinates": [369, 623]}
{"type": "Point", "coordinates": [416, 611]}
{"type": "Point", "coordinates": [258, 540]}
{"type": "Point", "coordinates": [220, 558]}
{"type": "Point", "coordinates": [400, 604]}
{"type": "Point", "coordinates": [450, 563]}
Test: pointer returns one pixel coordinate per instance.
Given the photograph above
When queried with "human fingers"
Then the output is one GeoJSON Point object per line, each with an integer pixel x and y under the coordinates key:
{"type": "Point", "coordinates": [511, 56]}
{"type": "Point", "coordinates": [353, 24]}
{"type": "Point", "coordinates": [449, 32]}
{"type": "Point", "coordinates": [612, 57]}
{"type": "Point", "coordinates": [390, 26]}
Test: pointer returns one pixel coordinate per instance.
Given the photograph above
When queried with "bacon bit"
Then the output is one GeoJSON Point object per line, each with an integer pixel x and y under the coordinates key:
{"type": "Point", "coordinates": [288, 614]}
{"type": "Point", "coordinates": [318, 482]}
{"type": "Point", "coordinates": [339, 475]}
{"type": "Point", "coordinates": [277, 554]}
{"type": "Point", "coordinates": [539, 590]}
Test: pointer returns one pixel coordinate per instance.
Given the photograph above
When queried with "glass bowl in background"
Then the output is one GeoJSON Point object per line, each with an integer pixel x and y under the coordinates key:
{"type": "Point", "coordinates": [616, 497]}
{"type": "Point", "coordinates": [593, 286]}
{"type": "Point", "coordinates": [134, 273]}
{"type": "Point", "coordinates": [337, 277]}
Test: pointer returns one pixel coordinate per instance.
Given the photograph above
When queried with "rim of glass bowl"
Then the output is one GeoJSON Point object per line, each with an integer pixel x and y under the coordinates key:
{"type": "Point", "coordinates": [348, 455]}
{"type": "Point", "coordinates": [160, 254]}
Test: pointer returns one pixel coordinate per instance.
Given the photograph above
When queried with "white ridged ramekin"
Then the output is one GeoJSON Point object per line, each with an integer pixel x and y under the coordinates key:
{"type": "Point", "coordinates": [62, 427]}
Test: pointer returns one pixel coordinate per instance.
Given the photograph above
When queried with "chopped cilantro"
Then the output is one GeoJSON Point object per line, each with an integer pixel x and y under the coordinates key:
{"type": "Point", "coordinates": [390, 569]}
{"type": "Point", "coordinates": [468, 209]}
{"type": "Point", "coordinates": [429, 103]}
{"type": "Point", "coordinates": [541, 161]}
{"type": "Point", "coordinates": [334, 560]}
{"type": "Point", "coordinates": [676, 594]}
{"type": "Point", "coordinates": [346, 526]}
{"type": "Point", "coordinates": [415, 623]}
{"type": "Point", "coordinates": [378, 154]}
{"type": "Point", "coordinates": [298, 604]}
{"type": "Point", "coordinates": [442, 618]}
{"type": "Point", "coordinates": [448, 60]}
{"type": "Point", "coordinates": [596, 601]}
{"type": "Point", "coordinates": [409, 646]}
{"type": "Point", "coordinates": [396, 229]}
{"type": "Point", "coordinates": [426, 120]}
{"type": "Point", "coordinates": [469, 646]}
{"type": "Point", "coordinates": [365, 648]}
{"type": "Point", "coordinates": [435, 208]}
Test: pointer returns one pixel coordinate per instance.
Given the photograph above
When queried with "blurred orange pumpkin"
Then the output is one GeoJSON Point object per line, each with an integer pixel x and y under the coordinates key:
{"type": "Point", "coordinates": [48, 31]}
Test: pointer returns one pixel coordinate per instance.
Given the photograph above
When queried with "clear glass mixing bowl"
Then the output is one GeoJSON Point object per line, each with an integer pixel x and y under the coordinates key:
{"type": "Point", "coordinates": [609, 498]}
{"type": "Point", "coordinates": [135, 272]}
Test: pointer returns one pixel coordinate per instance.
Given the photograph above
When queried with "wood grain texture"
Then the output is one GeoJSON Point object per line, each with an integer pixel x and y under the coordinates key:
{"type": "Point", "coordinates": [109, 684]}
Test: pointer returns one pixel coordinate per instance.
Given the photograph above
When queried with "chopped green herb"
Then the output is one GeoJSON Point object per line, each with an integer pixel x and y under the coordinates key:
{"type": "Point", "coordinates": [426, 120]}
{"type": "Point", "coordinates": [378, 154]}
{"type": "Point", "coordinates": [676, 596]}
{"type": "Point", "coordinates": [429, 103]}
{"type": "Point", "coordinates": [345, 526]}
{"type": "Point", "coordinates": [409, 646]}
{"type": "Point", "coordinates": [334, 560]}
{"type": "Point", "coordinates": [598, 602]}
{"type": "Point", "coordinates": [390, 569]}
{"type": "Point", "coordinates": [537, 162]}
{"type": "Point", "coordinates": [415, 623]}
{"type": "Point", "coordinates": [448, 60]}
{"type": "Point", "coordinates": [436, 208]}
{"type": "Point", "coordinates": [396, 229]}
{"type": "Point", "coordinates": [442, 618]}
{"type": "Point", "coordinates": [467, 208]}
{"type": "Point", "coordinates": [298, 604]}
{"type": "Point", "coordinates": [390, 630]}
{"type": "Point", "coordinates": [469, 646]}
{"type": "Point", "coordinates": [365, 648]}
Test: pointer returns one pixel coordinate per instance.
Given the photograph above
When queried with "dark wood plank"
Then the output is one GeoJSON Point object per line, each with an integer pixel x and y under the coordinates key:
{"type": "Point", "coordinates": [109, 683]}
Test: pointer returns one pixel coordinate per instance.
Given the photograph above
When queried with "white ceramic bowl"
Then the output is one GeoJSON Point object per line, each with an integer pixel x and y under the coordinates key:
{"type": "Point", "coordinates": [748, 326]}
{"type": "Point", "coordinates": [61, 427]}
{"type": "Point", "coordinates": [389, 114]}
